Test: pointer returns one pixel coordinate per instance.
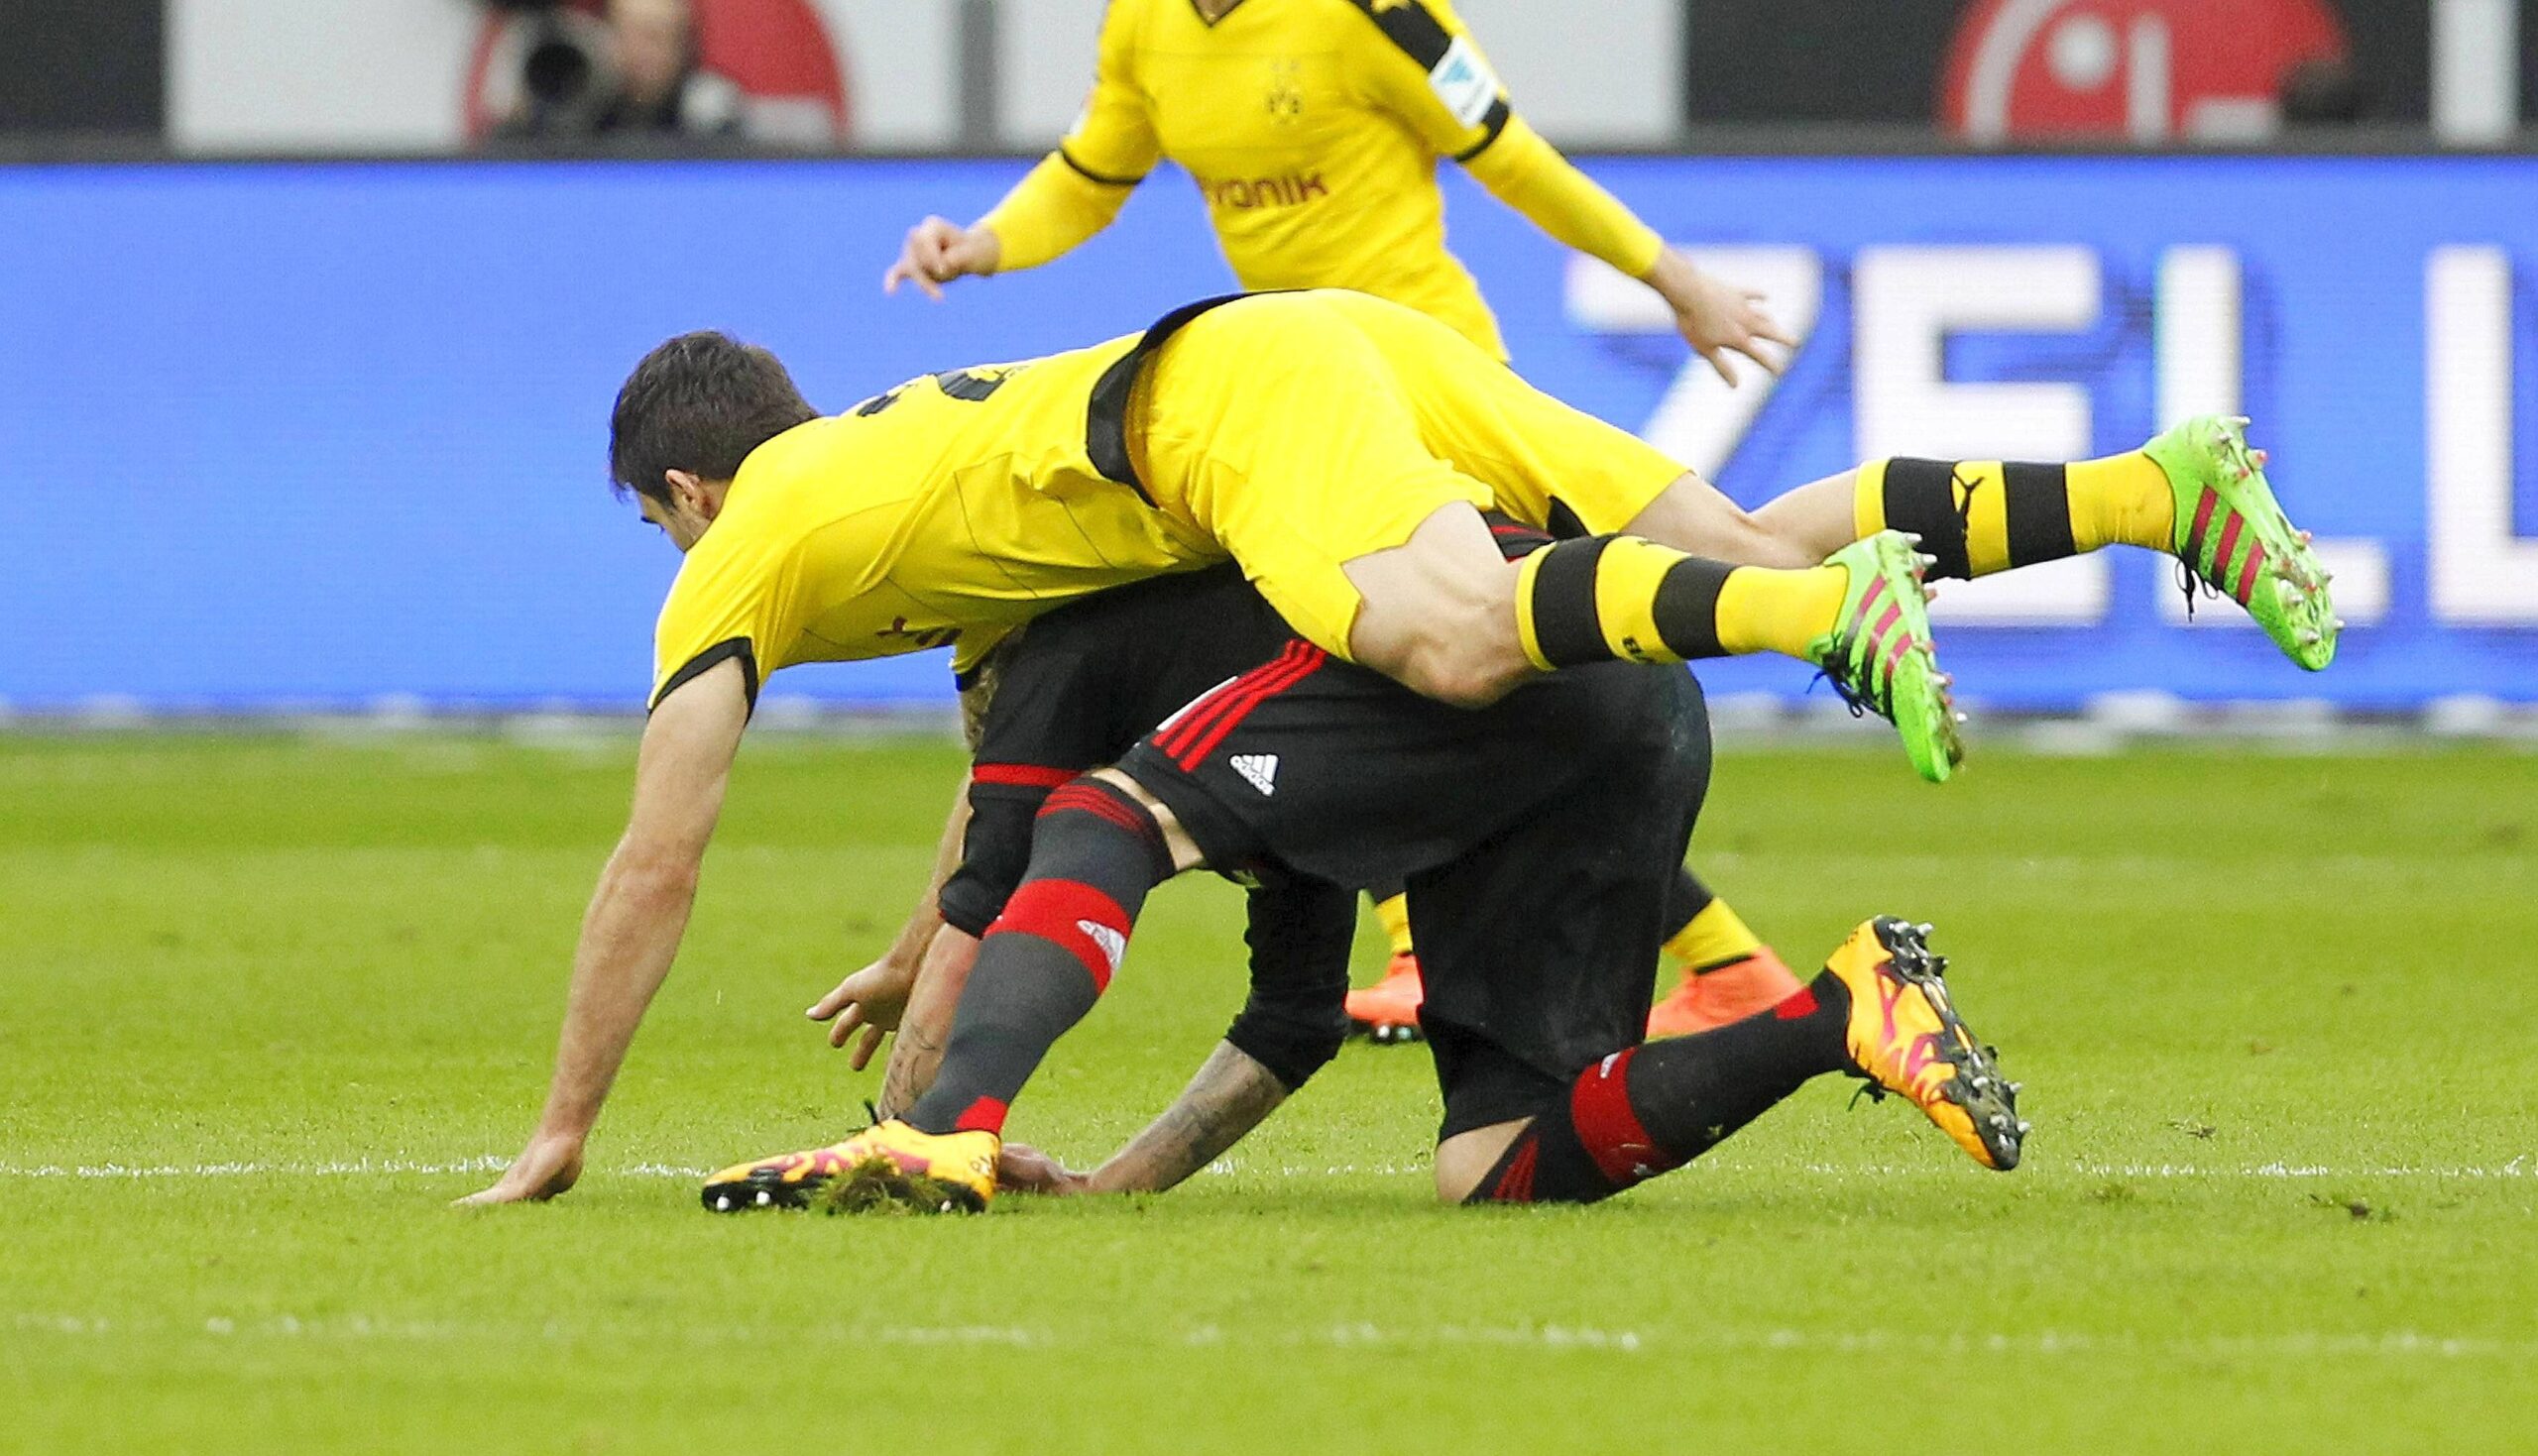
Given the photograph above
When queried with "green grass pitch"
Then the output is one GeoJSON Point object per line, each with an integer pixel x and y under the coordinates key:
{"type": "Point", "coordinates": [2276, 1016]}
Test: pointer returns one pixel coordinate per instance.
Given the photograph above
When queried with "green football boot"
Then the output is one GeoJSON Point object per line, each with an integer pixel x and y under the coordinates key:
{"type": "Point", "coordinates": [1879, 656]}
{"type": "Point", "coordinates": [2232, 536]}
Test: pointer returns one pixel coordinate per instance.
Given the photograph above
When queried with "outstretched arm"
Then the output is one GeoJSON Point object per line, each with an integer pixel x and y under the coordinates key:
{"type": "Point", "coordinates": [630, 932]}
{"type": "Point", "coordinates": [1073, 193]}
{"type": "Point", "coordinates": [1230, 1095]}
{"type": "Point", "coordinates": [1422, 65]}
{"type": "Point", "coordinates": [1290, 1027]}
{"type": "Point", "coordinates": [1527, 174]}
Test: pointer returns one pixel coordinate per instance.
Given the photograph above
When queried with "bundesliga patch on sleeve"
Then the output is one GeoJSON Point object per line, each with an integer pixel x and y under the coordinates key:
{"type": "Point", "coordinates": [1464, 83]}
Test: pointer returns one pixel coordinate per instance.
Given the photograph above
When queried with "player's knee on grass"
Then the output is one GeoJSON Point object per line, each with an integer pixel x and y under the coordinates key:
{"type": "Point", "coordinates": [1544, 1160]}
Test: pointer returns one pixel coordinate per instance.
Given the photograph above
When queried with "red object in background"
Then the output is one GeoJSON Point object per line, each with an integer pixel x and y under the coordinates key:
{"type": "Point", "coordinates": [2149, 69]}
{"type": "Point", "coordinates": [775, 50]}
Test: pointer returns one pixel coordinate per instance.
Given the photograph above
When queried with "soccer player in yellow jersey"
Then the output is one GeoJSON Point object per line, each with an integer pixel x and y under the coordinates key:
{"type": "Point", "coordinates": [1313, 129]}
{"type": "Point", "coordinates": [1340, 449]}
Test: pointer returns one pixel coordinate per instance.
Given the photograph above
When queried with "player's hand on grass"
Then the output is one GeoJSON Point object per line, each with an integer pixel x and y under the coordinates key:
{"type": "Point", "coordinates": [872, 999]}
{"type": "Point", "coordinates": [939, 250]}
{"type": "Point", "coordinates": [1718, 318]}
{"type": "Point", "coordinates": [1023, 1169]}
{"type": "Point", "coordinates": [546, 1167]}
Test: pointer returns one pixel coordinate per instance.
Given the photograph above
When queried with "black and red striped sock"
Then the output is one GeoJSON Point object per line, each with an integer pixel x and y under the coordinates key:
{"type": "Point", "coordinates": [1096, 852]}
{"type": "Point", "coordinates": [1655, 1107]}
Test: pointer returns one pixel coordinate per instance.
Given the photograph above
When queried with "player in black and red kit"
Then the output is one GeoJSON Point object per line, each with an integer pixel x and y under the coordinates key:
{"type": "Point", "coordinates": [1542, 840]}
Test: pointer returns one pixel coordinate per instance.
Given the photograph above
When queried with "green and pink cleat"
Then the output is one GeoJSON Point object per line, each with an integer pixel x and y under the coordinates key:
{"type": "Point", "coordinates": [1879, 656]}
{"type": "Point", "coordinates": [2232, 536]}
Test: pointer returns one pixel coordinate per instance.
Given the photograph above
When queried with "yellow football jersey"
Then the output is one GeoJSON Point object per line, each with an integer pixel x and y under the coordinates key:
{"type": "Point", "coordinates": [1313, 129]}
{"type": "Point", "coordinates": [946, 510]}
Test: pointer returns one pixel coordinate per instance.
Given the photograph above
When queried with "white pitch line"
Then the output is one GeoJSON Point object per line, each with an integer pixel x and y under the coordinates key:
{"type": "Point", "coordinates": [2300, 1345]}
{"type": "Point", "coordinates": [2523, 1167]}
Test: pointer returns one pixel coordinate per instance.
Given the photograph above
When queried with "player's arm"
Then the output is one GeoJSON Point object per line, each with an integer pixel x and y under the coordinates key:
{"type": "Point", "coordinates": [1074, 193]}
{"type": "Point", "coordinates": [632, 930]}
{"type": "Point", "coordinates": [884, 996]}
{"type": "Point", "coordinates": [876, 997]}
{"type": "Point", "coordinates": [1290, 1028]}
{"type": "Point", "coordinates": [1430, 71]}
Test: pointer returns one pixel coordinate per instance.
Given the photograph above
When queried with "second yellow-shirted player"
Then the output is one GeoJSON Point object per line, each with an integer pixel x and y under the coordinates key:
{"type": "Point", "coordinates": [1313, 129]}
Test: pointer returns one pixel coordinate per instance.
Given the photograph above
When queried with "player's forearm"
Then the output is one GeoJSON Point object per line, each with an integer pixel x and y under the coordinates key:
{"type": "Point", "coordinates": [630, 937]}
{"type": "Point", "coordinates": [925, 1028]}
{"type": "Point", "coordinates": [1230, 1095]}
{"type": "Point", "coordinates": [1527, 174]}
{"type": "Point", "coordinates": [1051, 211]}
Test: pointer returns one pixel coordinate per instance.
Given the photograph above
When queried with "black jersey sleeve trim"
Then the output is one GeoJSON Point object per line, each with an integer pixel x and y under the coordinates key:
{"type": "Point", "coordinates": [1102, 178]}
{"type": "Point", "coordinates": [709, 659]}
{"type": "Point", "coordinates": [1412, 28]}
{"type": "Point", "coordinates": [1105, 409]}
{"type": "Point", "coordinates": [1491, 126]}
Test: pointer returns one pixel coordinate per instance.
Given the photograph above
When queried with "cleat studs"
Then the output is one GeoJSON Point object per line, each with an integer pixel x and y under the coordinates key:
{"type": "Point", "coordinates": [2338, 624]}
{"type": "Point", "coordinates": [2024, 1128]}
{"type": "Point", "coordinates": [721, 1202]}
{"type": "Point", "coordinates": [764, 1197]}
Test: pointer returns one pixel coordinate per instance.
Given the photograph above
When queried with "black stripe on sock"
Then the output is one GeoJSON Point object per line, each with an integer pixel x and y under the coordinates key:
{"type": "Point", "coordinates": [2039, 511]}
{"type": "Point", "coordinates": [1565, 625]}
{"type": "Point", "coordinates": [1686, 610]}
{"type": "Point", "coordinates": [1920, 498]}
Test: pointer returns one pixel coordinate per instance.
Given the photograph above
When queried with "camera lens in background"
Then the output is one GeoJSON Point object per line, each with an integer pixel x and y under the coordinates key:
{"type": "Point", "coordinates": [558, 71]}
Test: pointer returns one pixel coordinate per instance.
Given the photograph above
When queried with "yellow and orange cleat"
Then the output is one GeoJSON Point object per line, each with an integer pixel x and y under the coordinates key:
{"type": "Point", "coordinates": [1388, 1011]}
{"type": "Point", "coordinates": [1709, 999]}
{"type": "Point", "coordinates": [1905, 1036]}
{"type": "Point", "coordinates": [887, 1164]}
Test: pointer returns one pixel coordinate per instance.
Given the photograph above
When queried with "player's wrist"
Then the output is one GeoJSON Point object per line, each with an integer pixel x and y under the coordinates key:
{"type": "Point", "coordinates": [982, 251]}
{"type": "Point", "coordinates": [1671, 275]}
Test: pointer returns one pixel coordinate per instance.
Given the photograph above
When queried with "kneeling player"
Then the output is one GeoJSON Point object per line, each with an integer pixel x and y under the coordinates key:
{"type": "Point", "coordinates": [1540, 840]}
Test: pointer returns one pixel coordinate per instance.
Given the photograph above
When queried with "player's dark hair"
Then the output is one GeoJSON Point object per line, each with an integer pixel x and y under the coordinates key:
{"type": "Point", "coordinates": [700, 403]}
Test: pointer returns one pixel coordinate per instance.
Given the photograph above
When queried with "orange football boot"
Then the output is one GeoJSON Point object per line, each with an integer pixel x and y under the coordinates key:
{"type": "Point", "coordinates": [1388, 1010]}
{"type": "Point", "coordinates": [1709, 999]}
{"type": "Point", "coordinates": [1905, 1037]}
{"type": "Point", "coordinates": [889, 1164]}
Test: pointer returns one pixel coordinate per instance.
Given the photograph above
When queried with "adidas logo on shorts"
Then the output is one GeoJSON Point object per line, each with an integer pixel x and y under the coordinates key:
{"type": "Point", "coordinates": [1260, 770]}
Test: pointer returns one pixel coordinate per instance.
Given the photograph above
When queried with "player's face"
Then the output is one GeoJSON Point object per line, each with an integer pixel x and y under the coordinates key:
{"type": "Point", "coordinates": [680, 522]}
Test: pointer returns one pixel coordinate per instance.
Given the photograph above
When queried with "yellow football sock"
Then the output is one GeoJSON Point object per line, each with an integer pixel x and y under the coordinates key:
{"type": "Point", "coordinates": [1393, 914]}
{"type": "Point", "coordinates": [2123, 500]}
{"type": "Point", "coordinates": [1761, 610]}
{"type": "Point", "coordinates": [1716, 937]}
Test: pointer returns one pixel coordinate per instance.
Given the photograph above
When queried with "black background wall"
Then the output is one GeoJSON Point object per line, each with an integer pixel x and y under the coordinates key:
{"type": "Point", "coordinates": [84, 65]}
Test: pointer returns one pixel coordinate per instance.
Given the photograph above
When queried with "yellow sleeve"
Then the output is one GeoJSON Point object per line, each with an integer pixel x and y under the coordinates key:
{"type": "Point", "coordinates": [718, 609]}
{"type": "Point", "coordinates": [1418, 62]}
{"type": "Point", "coordinates": [1078, 189]}
{"type": "Point", "coordinates": [1527, 174]}
{"type": "Point", "coordinates": [1424, 66]}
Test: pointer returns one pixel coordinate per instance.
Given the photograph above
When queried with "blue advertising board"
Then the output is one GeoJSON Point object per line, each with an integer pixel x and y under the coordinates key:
{"type": "Point", "coordinates": [312, 436]}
